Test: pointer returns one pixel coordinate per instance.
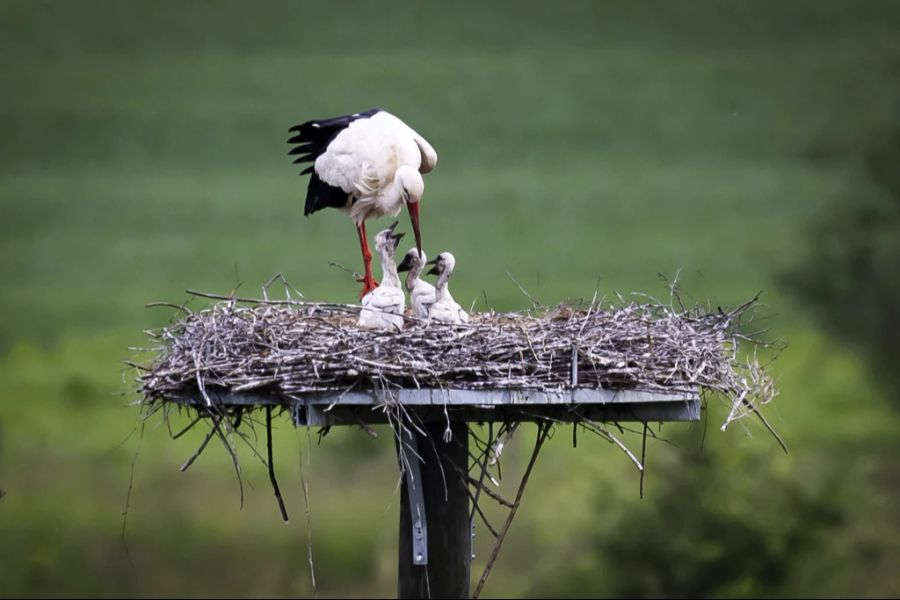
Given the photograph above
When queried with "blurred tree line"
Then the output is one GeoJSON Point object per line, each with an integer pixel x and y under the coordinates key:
{"type": "Point", "coordinates": [851, 277]}
{"type": "Point", "coordinates": [708, 529]}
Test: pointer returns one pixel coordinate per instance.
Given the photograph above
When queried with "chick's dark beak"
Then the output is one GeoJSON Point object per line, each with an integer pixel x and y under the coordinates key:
{"type": "Point", "coordinates": [405, 264]}
{"type": "Point", "coordinates": [395, 239]}
{"type": "Point", "coordinates": [434, 270]}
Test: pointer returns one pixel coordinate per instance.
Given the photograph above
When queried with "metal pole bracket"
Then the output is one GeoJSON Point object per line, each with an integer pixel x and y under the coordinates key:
{"type": "Point", "coordinates": [410, 451]}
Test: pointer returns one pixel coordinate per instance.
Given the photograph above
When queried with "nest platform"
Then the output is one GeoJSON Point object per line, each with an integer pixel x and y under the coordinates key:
{"type": "Point", "coordinates": [629, 361]}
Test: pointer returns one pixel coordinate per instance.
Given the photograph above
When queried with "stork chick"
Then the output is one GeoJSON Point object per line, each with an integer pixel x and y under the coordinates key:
{"type": "Point", "coordinates": [421, 293]}
{"type": "Point", "coordinates": [445, 309]}
{"type": "Point", "coordinates": [383, 306]}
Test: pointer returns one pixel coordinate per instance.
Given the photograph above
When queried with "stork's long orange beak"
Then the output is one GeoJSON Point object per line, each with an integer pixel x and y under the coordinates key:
{"type": "Point", "coordinates": [414, 217]}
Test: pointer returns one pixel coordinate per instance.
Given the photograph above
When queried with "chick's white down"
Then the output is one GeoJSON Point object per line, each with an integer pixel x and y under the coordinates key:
{"type": "Point", "coordinates": [383, 307]}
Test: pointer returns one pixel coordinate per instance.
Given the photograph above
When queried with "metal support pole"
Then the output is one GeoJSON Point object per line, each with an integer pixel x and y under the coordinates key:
{"type": "Point", "coordinates": [446, 500]}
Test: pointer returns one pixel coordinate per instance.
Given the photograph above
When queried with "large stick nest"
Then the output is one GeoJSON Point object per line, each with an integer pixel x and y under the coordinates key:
{"type": "Point", "coordinates": [290, 347]}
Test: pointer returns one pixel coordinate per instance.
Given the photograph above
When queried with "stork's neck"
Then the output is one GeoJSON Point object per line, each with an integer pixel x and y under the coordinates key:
{"type": "Point", "coordinates": [391, 200]}
{"type": "Point", "coordinates": [389, 270]}
{"type": "Point", "coordinates": [412, 278]}
{"type": "Point", "coordinates": [442, 287]}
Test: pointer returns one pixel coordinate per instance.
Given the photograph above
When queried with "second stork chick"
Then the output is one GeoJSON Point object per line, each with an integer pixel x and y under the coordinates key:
{"type": "Point", "coordinates": [421, 293]}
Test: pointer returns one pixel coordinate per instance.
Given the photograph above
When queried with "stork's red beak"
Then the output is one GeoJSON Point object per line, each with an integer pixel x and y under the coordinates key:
{"type": "Point", "coordinates": [414, 217]}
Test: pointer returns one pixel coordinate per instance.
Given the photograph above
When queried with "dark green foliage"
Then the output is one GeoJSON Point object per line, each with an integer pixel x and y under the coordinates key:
{"type": "Point", "coordinates": [851, 275]}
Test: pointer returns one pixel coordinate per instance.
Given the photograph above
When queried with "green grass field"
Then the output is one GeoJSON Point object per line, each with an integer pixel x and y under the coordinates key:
{"type": "Point", "coordinates": [583, 147]}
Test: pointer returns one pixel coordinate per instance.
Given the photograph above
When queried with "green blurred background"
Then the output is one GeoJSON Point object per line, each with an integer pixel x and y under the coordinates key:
{"type": "Point", "coordinates": [583, 146]}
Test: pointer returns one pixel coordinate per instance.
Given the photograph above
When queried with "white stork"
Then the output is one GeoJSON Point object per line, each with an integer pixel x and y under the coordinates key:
{"type": "Point", "coordinates": [383, 306]}
{"type": "Point", "coordinates": [445, 309]}
{"type": "Point", "coordinates": [368, 164]}
{"type": "Point", "coordinates": [421, 293]}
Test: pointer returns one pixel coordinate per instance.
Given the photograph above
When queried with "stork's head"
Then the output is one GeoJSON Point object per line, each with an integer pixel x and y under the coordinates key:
{"type": "Point", "coordinates": [443, 264]}
{"type": "Point", "coordinates": [386, 240]}
{"type": "Point", "coordinates": [412, 187]}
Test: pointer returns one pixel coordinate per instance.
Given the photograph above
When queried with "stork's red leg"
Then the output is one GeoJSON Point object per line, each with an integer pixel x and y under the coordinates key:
{"type": "Point", "coordinates": [367, 280]}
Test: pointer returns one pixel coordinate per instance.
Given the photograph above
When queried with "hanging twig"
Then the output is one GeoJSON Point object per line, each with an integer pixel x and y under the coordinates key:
{"type": "Point", "coordinates": [643, 458]}
{"type": "Point", "coordinates": [477, 508]}
{"type": "Point", "coordinates": [500, 499]}
{"type": "Point", "coordinates": [481, 462]}
{"type": "Point", "coordinates": [199, 451]}
{"type": "Point", "coordinates": [127, 496]}
{"type": "Point", "coordinates": [188, 428]}
{"type": "Point", "coordinates": [232, 452]}
{"type": "Point", "coordinates": [771, 429]}
{"type": "Point", "coordinates": [608, 436]}
{"type": "Point", "coordinates": [543, 430]}
{"type": "Point", "coordinates": [309, 545]}
{"type": "Point", "coordinates": [271, 465]}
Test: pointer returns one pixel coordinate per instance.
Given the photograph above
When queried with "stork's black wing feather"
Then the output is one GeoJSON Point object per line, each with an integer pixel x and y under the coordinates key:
{"type": "Point", "coordinates": [311, 140]}
{"type": "Point", "coordinates": [321, 195]}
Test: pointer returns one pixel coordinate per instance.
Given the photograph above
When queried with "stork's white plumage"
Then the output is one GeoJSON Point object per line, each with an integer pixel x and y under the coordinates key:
{"type": "Point", "coordinates": [383, 306]}
{"type": "Point", "coordinates": [445, 309]}
{"type": "Point", "coordinates": [367, 164]}
{"type": "Point", "coordinates": [421, 293]}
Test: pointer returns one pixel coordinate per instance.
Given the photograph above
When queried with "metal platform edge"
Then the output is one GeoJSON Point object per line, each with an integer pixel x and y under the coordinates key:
{"type": "Point", "coordinates": [323, 409]}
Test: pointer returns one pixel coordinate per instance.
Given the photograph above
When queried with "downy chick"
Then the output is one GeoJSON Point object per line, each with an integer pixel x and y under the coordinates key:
{"type": "Point", "coordinates": [445, 309]}
{"type": "Point", "coordinates": [383, 306]}
{"type": "Point", "coordinates": [421, 293]}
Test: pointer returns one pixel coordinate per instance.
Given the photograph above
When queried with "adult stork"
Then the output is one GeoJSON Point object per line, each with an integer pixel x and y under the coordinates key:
{"type": "Point", "coordinates": [368, 164]}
